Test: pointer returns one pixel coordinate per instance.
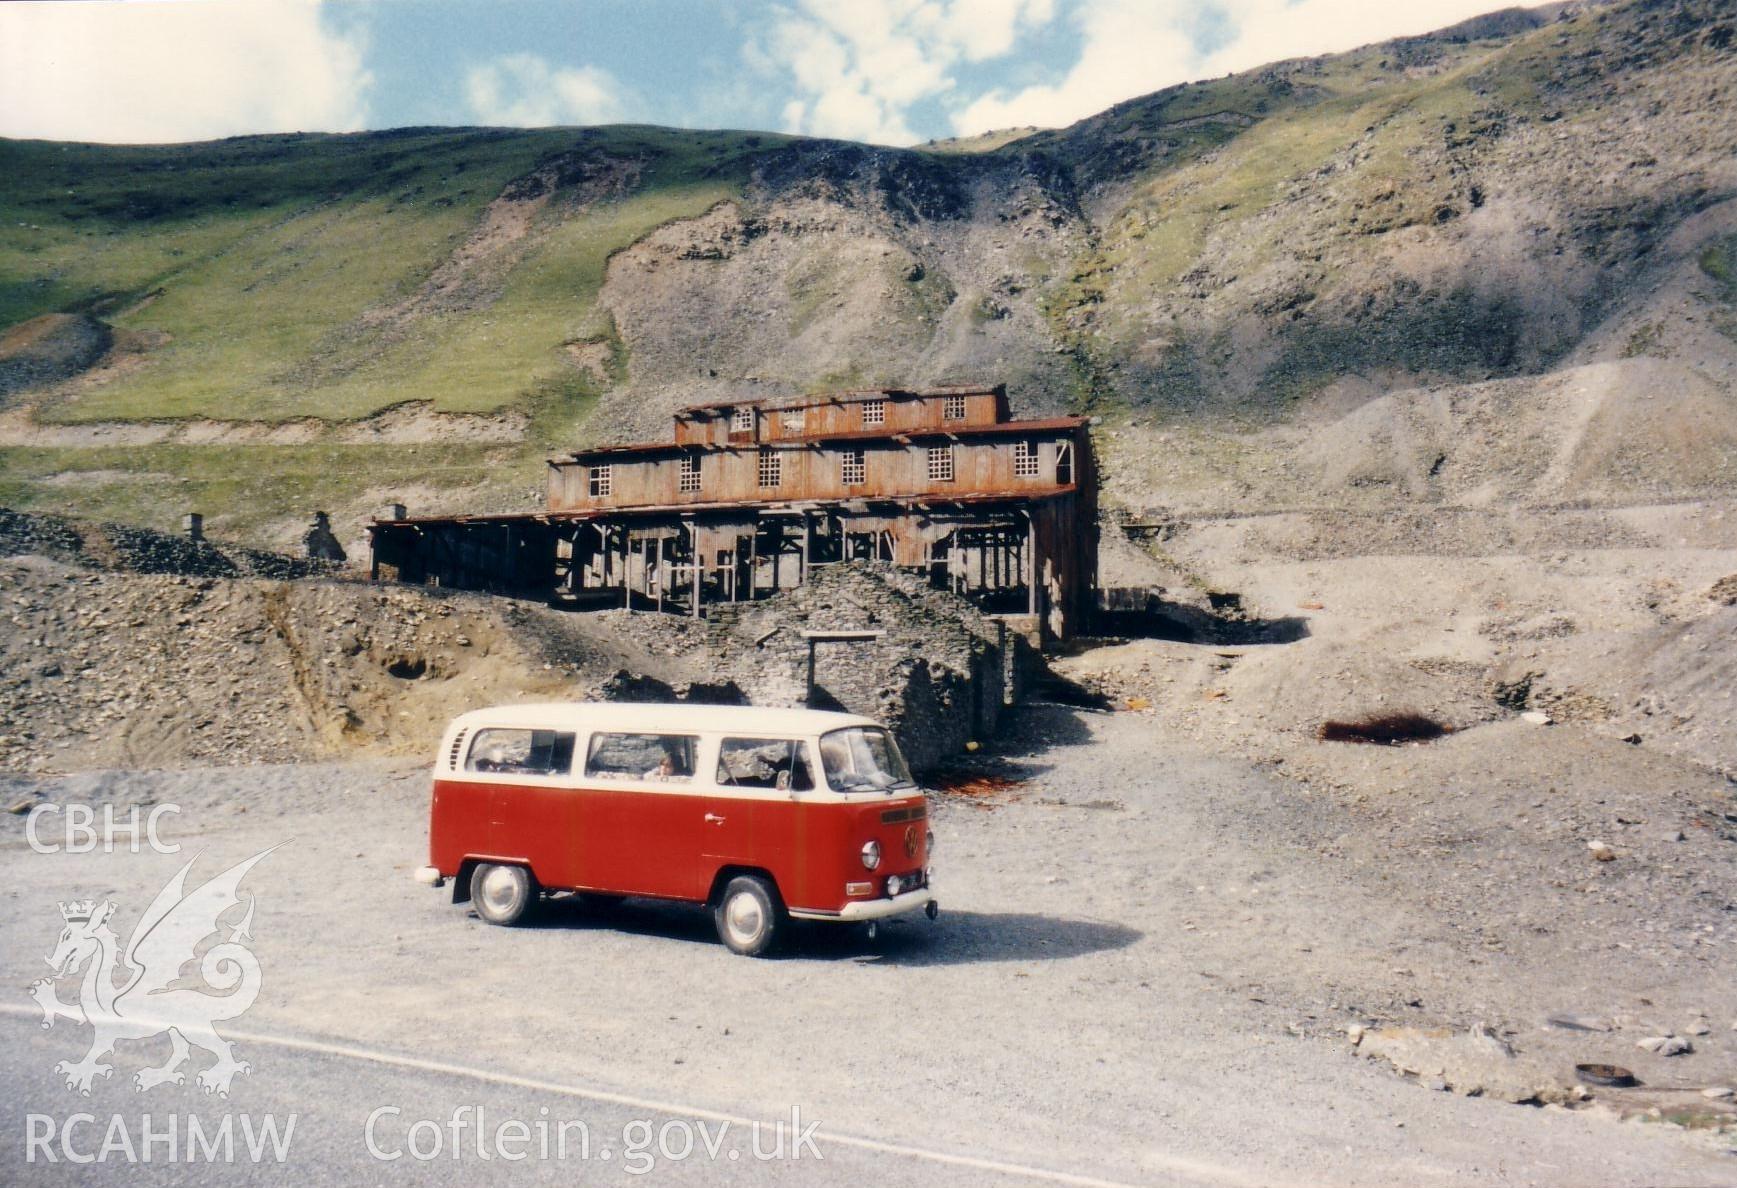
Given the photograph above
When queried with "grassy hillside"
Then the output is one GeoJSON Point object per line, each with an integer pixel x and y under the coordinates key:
{"type": "Point", "coordinates": [258, 259]}
{"type": "Point", "coordinates": [265, 325]}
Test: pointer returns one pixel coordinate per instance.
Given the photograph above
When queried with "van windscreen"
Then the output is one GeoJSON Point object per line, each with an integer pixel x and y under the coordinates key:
{"type": "Point", "coordinates": [863, 759]}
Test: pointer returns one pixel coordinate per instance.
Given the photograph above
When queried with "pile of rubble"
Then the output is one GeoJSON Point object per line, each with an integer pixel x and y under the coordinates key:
{"type": "Point", "coordinates": [882, 643]}
{"type": "Point", "coordinates": [125, 647]}
{"type": "Point", "coordinates": [124, 549]}
{"type": "Point", "coordinates": [102, 669]}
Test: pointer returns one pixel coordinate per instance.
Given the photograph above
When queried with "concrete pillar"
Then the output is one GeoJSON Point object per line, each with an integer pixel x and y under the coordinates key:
{"type": "Point", "coordinates": [193, 524]}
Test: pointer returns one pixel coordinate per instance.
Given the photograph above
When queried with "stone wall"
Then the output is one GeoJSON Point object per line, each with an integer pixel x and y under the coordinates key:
{"type": "Point", "coordinates": [939, 676]}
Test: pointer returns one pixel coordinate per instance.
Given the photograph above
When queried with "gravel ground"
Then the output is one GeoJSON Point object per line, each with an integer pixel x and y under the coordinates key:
{"type": "Point", "coordinates": [1146, 965]}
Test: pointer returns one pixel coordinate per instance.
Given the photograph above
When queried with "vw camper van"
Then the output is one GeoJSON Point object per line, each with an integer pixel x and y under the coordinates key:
{"type": "Point", "coordinates": [761, 814]}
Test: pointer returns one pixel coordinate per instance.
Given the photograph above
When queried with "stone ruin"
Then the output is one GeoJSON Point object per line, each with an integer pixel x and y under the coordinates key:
{"type": "Point", "coordinates": [319, 541]}
{"type": "Point", "coordinates": [939, 674]}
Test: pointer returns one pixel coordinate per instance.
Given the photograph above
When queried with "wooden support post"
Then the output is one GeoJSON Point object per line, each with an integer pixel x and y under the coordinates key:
{"type": "Point", "coordinates": [802, 570]}
{"type": "Point", "coordinates": [695, 529]}
{"type": "Point", "coordinates": [1031, 566]}
{"type": "Point", "coordinates": [627, 570]}
{"type": "Point", "coordinates": [754, 559]}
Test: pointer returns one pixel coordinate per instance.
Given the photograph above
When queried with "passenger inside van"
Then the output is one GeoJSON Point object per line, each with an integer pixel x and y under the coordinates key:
{"type": "Point", "coordinates": [625, 757]}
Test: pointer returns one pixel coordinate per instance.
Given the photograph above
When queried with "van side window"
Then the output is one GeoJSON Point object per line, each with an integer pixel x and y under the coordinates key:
{"type": "Point", "coordinates": [521, 752]}
{"type": "Point", "coordinates": [765, 763]}
{"type": "Point", "coordinates": [656, 757]}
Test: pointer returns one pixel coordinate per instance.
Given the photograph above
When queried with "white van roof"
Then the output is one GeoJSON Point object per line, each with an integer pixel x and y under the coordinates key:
{"type": "Point", "coordinates": [660, 717]}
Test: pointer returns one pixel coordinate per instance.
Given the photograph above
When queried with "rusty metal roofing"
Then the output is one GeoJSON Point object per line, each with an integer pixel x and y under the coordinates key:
{"type": "Point", "coordinates": [848, 396]}
{"type": "Point", "coordinates": [1042, 425]}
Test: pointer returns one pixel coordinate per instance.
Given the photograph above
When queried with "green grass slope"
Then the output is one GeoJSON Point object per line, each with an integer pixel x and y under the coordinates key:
{"type": "Point", "coordinates": [256, 271]}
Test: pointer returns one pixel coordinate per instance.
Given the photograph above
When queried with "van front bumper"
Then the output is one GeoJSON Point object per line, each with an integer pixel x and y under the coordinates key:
{"type": "Point", "coordinates": [872, 909]}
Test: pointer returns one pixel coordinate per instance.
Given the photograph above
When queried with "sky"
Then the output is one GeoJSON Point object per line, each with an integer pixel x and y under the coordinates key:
{"type": "Point", "coordinates": [887, 71]}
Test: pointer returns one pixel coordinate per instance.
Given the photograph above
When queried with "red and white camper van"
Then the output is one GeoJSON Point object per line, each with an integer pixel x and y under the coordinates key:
{"type": "Point", "coordinates": [762, 814]}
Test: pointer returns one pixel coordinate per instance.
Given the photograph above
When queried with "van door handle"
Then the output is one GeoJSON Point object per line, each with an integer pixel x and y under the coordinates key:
{"type": "Point", "coordinates": [714, 819]}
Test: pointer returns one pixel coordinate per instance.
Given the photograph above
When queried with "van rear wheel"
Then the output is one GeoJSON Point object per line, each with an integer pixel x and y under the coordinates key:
{"type": "Point", "coordinates": [748, 916]}
{"type": "Point", "coordinates": [502, 894]}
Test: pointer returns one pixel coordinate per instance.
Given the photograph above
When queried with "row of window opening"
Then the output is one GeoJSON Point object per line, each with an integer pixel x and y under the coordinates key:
{"type": "Point", "coordinates": [852, 468]}
{"type": "Point", "coordinates": [872, 413]}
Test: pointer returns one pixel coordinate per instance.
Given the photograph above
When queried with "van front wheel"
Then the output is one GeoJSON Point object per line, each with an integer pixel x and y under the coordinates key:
{"type": "Point", "coordinates": [502, 894]}
{"type": "Point", "coordinates": [748, 916]}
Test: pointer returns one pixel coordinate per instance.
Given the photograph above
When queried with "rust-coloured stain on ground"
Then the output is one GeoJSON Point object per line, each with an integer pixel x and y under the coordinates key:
{"type": "Point", "coordinates": [973, 784]}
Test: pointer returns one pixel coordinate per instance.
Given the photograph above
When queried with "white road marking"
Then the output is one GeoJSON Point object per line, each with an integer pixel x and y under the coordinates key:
{"type": "Point", "coordinates": [1173, 1163]}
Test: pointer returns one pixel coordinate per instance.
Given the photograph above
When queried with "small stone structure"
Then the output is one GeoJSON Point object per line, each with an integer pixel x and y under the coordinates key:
{"type": "Point", "coordinates": [939, 674]}
{"type": "Point", "coordinates": [319, 541]}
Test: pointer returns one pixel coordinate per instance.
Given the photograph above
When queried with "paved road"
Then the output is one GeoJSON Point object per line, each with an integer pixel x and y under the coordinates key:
{"type": "Point", "coordinates": [315, 1114]}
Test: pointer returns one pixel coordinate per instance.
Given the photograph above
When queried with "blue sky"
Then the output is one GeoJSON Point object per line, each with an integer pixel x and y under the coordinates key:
{"type": "Point", "coordinates": [890, 71]}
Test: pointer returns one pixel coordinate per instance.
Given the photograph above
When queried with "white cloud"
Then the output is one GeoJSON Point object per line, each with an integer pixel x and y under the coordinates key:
{"type": "Point", "coordinates": [1135, 47]}
{"type": "Point", "coordinates": [1272, 30]}
{"type": "Point", "coordinates": [157, 72]}
{"type": "Point", "coordinates": [1128, 47]}
{"type": "Point", "coordinates": [523, 90]}
{"type": "Point", "coordinates": [858, 67]}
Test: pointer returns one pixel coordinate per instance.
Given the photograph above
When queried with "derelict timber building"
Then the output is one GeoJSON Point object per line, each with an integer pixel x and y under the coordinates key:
{"type": "Point", "coordinates": [748, 497]}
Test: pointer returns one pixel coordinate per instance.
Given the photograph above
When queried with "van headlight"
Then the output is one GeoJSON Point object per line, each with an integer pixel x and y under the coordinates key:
{"type": "Point", "coordinates": [871, 855]}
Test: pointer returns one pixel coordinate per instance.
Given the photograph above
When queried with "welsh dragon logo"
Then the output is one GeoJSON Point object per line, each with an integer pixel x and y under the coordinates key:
{"type": "Point", "coordinates": [136, 995]}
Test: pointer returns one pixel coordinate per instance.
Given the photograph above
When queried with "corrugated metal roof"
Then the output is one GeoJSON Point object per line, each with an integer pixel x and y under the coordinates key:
{"type": "Point", "coordinates": [849, 396]}
{"type": "Point", "coordinates": [1044, 425]}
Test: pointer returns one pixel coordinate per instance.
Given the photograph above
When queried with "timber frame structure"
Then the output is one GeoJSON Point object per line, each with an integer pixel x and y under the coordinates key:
{"type": "Point", "coordinates": [748, 497]}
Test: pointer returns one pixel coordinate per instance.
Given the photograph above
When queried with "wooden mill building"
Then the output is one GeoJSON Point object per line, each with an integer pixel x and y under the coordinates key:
{"type": "Point", "coordinates": [747, 497]}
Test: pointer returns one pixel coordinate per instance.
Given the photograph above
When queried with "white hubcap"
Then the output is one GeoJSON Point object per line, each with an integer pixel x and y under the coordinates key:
{"type": "Point", "coordinates": [743, 917]}
{"type": "Point", "coordinates": [500, 890]}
